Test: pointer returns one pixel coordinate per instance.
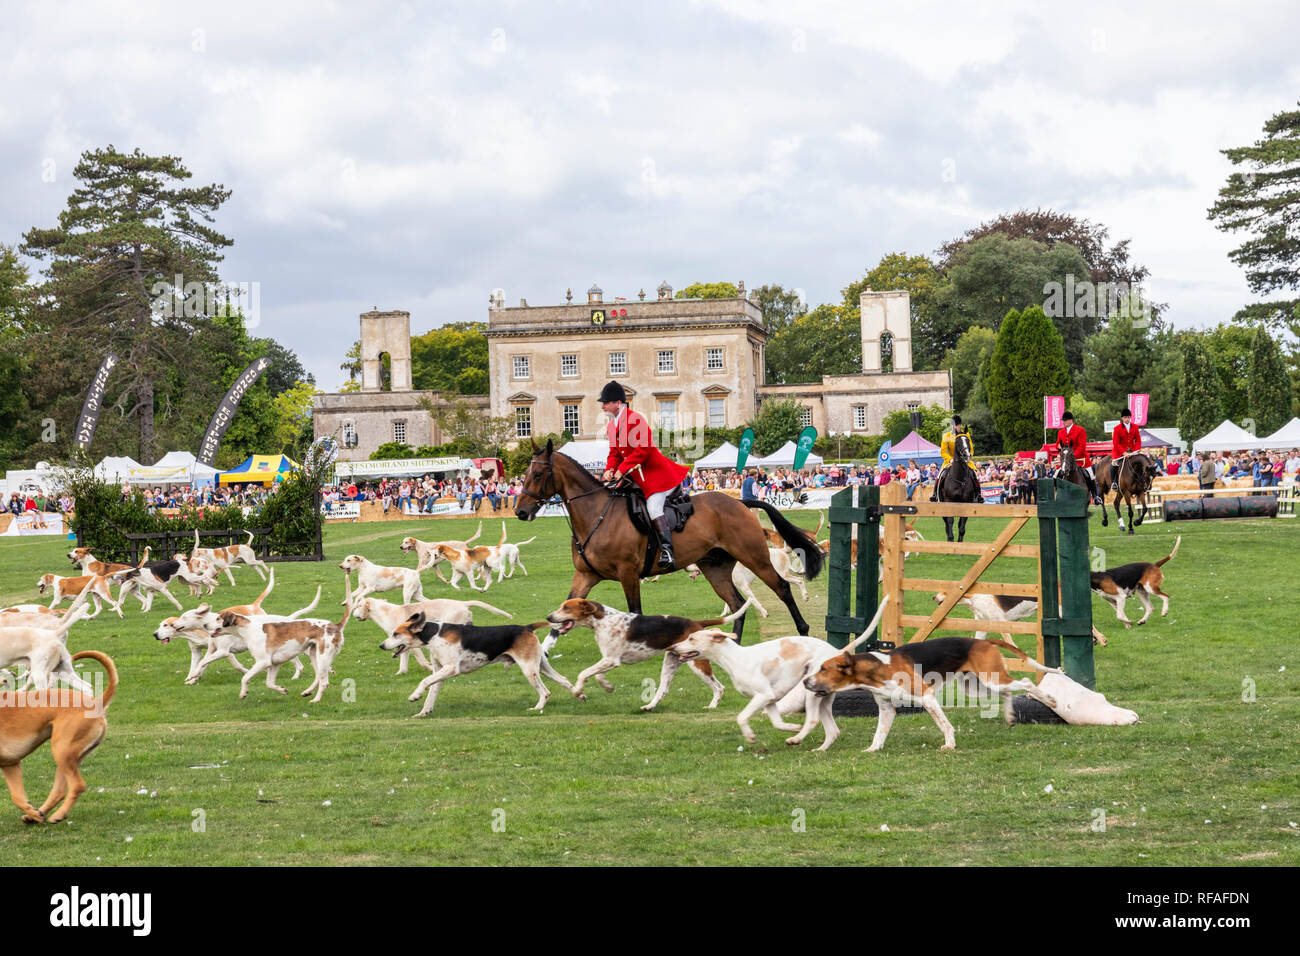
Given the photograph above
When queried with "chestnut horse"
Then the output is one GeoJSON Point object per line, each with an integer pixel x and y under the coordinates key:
{"type": "Point", "coordinates": [608, 547]}
{"type": "Point", "coordinates": [1136, 472]}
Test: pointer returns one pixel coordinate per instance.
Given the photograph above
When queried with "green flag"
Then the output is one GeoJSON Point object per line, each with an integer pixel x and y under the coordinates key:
{"type": "Point", "coordinates": [804, 447]}
{"type": "Point", "coordinates": [746, 443]}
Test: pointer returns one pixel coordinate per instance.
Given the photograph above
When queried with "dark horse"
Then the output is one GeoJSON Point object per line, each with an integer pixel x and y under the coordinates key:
{"type": "Point", "coordinates": [1071, 472]}
{"type": "Point", "coordinates": [608, 547]}
{"type": "Point", "coordinates": [1136, 473]}
{"type": "Point", "coordinates": [958, 483]}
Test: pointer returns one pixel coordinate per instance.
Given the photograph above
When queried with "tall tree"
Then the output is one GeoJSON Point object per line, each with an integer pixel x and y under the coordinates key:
{"type": "Point", "coordinates": [1229, 347]}
{"type": "Point", "coordinates": [1263, 200]}
{"type": "Point", "coordinates": [1046, 226]}
{"type": "Point", "coordinates": [128, 229]}
{"type": "Point", "coordinates": [777, 422]}
{"type": "Point", "coordinates": [451, 358]}
{"type": "Point", "coordinates": [966, 359]}
{"type": "Point", "coordinates": [825, 341]}
{"type": "Point", "coordinates": [1268, 385]}
{"type": "Point", "coordinates": [780, 306]}
{"type": "Point", "coordinates": [1199, 407]}
{"type": "Point", "coordinates": [1117, 361]}
{"type": "Point", "coordinates": [1028, 362]}
{"type": "Point", "coordinates": [992, 274]}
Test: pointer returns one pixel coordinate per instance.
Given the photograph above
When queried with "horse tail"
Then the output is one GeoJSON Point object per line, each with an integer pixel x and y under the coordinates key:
{"type": "Point", "coordinates": [793, 535]}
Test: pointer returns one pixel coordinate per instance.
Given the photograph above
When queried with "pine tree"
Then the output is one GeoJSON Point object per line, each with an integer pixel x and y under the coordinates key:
{"type": "Point", "coordinates": [1028, 363]}
{"type": "Point", "coordinates": [1117, 362]}
{"type": "Point", "coordinates": [128, 230]}
{"type": "Point", "coordinates": [1268, 385]}
{"type": "Point", "coordinates": [1199, 407]}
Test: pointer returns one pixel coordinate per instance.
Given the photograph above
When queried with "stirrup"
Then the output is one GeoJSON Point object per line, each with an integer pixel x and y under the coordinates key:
{"type": "Point", "coordinates": [666, 561]}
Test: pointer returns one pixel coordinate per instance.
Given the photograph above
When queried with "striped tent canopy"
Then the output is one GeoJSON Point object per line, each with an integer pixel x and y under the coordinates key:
{"type": "Point", "coordinates": [260, 469]}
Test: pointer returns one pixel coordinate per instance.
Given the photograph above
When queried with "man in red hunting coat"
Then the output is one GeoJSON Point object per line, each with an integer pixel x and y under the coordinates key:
{"type": "Point", "coordinates": [1124, 441]}
{"type": "Point", "coordinates": [632, 454]}
{"type": "Point", "coordinates": [1076, 438]}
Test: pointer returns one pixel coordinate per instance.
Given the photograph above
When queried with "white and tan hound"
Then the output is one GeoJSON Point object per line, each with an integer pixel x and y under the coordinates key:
{"type": "Point", "coordinates": [375, 578]}
{"type": "Point", "coordinates": [462, 648]}
{"type": "Point", "coordinates": [425, 549]}
{"type": "Point", "coordinates": [388, 616]}
{"type": "Point", "coordinates": [626, 638]}
{"type": "Point", "coordinates": [66, 589]}
{"type": "Point", "coordinates": [915, 672]}
{"type": "Point", "coordinates": [224, 558]}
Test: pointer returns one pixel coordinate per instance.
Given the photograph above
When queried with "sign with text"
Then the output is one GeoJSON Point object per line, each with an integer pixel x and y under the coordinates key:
{"type": "Point", "coordinates": [94, 402]}
{"type": "Point", "coordinates": [225, 412]}
{"type": "Point", "coordinates": [1140, 405]}
{"type": "Point", "coordinates": [1053, 409]}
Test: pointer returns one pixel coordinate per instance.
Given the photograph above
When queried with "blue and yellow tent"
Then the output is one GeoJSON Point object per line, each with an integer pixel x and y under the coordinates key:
{"type": "Point", "coordinates": [261, 469]}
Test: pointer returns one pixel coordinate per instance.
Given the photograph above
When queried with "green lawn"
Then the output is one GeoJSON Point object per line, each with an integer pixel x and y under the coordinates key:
{"type": "Point", "coordinates": [194, 775]}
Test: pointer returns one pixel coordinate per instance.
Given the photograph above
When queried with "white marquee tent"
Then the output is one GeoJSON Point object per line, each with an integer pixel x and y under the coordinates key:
{"type": "Point", "coordinates": [724, 456]}
{"type": "Point", "coordinates": [783, 457]}
{"type": "Point", "coordinates": [591, 455]}
{"type": "Point", "coordinates": [1286, 437]}
{"type": "Point", "coordinates": [116, 469]}
{"type": "Point", "coordinates": [1227, 437]}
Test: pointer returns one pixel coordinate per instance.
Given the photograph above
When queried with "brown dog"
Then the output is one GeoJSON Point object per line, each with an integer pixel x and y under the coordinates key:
{"type": "Point", "coordinates": [74, 724]}
{"type": "Point", "coordinates": [918, 670]}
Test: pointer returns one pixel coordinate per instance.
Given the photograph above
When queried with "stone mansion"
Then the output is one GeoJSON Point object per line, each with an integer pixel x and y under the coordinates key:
{"type": "Point", "coordinates": [685, 363]}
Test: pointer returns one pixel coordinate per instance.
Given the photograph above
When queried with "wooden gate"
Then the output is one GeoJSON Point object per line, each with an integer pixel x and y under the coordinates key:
{"type": "Point", "coordinates": [880, 514]}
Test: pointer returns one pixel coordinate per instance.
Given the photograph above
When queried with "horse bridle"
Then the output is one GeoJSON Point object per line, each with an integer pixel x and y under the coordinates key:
{"type": "Point", "coordinates": [550, 478]}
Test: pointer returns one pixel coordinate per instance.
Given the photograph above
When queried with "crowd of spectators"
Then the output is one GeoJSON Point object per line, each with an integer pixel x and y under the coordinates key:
{"type": "Point", "coordinates": [419, 495]}
{"type": "Point", "coordinates": [1016, 477]}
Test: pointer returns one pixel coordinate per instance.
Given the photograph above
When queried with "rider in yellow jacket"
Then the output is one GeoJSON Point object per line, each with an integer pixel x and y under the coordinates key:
{"type": "Point", "coordinates": [948, 449]}
{"type": "Point", "coordinates": [948, 444]}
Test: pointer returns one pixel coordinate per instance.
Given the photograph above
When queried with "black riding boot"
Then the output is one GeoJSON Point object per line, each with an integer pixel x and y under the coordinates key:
{"type": "Point", "coordinates": [666, 560]}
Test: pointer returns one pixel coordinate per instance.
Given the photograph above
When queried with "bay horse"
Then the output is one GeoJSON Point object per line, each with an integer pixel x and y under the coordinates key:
{"type": "Point", "coordinates": [608, 547]}
{"type": "Point", "coordinates": [1136, 474]}
{"type": "Point", "coordinates": [959, 483]}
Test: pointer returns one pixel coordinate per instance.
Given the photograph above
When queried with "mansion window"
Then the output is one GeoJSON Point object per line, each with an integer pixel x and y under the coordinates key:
{"type": "Point", "coordinates": [717, 413]}
{"type": "Point", "coordinates": [666, 361]}
{"type": "Point", "coordinates": [399, 432]}
{"type": "Point", "coordinates": [668, 414]}
{"type": "Point", "coordinates": [524, 421]}
{"type": "Point", "coordinates": [521, 366]}
{"type": "Point", "coordinates": [568, 366]}
{"type": "Point", "coordinates": [859, 416]}
{"type": "Point", "coordinates": [713, 360]}
{"type": "Point", "coordinates": [617, 363]}
{"type": "Point", "coordinates": [805, 417]}
{"type": "Point", "coordinates": [571, 419]}
{"type": "Point", "coordinates": [349, 435]}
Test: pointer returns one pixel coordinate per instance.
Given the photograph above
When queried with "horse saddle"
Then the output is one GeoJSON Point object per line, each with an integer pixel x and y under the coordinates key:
{"type": "Point", "coordinates": [677, 508]}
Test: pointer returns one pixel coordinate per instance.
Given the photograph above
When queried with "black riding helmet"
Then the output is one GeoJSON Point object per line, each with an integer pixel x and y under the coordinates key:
{"type": "Point", "coordinates": [612, 392]}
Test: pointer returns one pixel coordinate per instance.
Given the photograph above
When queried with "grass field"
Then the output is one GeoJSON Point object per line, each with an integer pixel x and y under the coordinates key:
{"type": "Point", "coordinates": [192, 775]}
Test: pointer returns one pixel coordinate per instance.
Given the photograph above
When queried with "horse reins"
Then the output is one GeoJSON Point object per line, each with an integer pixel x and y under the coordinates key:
{"type": "Point", "coordinates": [550, 478]}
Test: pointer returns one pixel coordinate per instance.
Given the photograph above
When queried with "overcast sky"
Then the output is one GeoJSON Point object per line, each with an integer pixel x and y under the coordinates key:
{"type": "Point", "coordinates": [416, 156]}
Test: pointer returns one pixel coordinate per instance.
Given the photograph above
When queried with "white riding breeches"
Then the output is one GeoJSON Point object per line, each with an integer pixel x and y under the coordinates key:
{"type": "Point", "coordinates": [655, 504]}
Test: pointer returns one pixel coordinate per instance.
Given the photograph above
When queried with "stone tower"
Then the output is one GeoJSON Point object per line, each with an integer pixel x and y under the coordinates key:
{"type": "Point", "coordinates": [386, 332]}
{"type": "Point", "coordinates": [886, 313]}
